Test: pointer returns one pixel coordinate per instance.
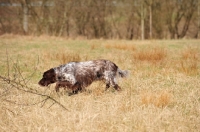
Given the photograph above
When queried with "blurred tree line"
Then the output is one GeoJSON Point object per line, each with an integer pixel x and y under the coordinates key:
{"type": "Point", "coordinates": [122, 19]}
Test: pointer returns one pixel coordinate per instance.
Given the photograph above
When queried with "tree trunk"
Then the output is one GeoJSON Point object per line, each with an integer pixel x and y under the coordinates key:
{"type": "Point", "coordinates": [198, 35]}
{"type": "Point", "coordinates": [142, 20]}
{"type": "Point", "coordinates": [25, 19]}
{"type": "Point", "coordinates": [150, 21]}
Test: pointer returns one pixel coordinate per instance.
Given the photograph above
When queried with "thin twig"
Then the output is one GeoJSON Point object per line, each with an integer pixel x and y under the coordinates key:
{"type": "Point", "coordinates": [8, 65]}
{"type": "Point", "coordinates": [23, 104]}
{"type": "Point", "coordinates": [43, 102]}
{"type": "Point", "coordinates": [17, 85]}
{"type": "Point", "coordinates": [27, 79]}
{"type": "Point", "coordinates": [9, 110]}
{"type": "Point", "coordinates": [52, 104]}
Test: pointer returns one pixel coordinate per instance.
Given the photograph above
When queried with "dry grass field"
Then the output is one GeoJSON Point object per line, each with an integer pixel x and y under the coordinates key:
{"type": "Point", "coordinates": [162, 92]}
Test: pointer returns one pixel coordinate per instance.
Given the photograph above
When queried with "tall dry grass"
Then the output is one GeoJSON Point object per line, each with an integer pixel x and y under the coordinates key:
{"type": "Point", "coordinates": [153, 98]}
{"type": "Point", "coordinates": [189, 61]}
{"type": "Point", "coordinates": [62, 57]}
{"type": "Point", "coordinates": [158, 99]}
{"type": "Point", "coordinates": [120, 46]}
{"type": "Point", "coordinates": [150, 54]}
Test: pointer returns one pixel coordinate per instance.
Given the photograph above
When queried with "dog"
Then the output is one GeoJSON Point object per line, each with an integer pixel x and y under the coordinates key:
{"type": "Point", "coordinates": [78, 75]}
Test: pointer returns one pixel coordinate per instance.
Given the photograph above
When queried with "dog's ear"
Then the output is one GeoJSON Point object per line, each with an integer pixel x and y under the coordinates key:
{"type": "Point", "coordinates": [48, 78]}
{"type": "Point", "coordinates": [49, 74]}
{"type": "Point", "coordinates": [52, 70]}
{"type": "Point", "coordinates": [52, 75]}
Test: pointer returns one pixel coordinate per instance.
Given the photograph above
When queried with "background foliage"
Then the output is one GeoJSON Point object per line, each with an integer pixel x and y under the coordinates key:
{"type": "Point", "coordinates": [123, 19]}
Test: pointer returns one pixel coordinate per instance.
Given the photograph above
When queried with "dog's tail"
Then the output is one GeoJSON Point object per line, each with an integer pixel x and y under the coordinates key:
{"type": "Point", "coordinates": [122, 73]}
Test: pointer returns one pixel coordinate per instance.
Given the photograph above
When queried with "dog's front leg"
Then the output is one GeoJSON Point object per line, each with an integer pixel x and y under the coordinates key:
{"type": "Point", "coordinates": [57, 87]}
{"type": "Point", "coordinates": [75, 88]}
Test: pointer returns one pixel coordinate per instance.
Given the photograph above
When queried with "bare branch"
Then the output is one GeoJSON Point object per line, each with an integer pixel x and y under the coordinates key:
{"type": "Point", "coordinates": [25, 88]}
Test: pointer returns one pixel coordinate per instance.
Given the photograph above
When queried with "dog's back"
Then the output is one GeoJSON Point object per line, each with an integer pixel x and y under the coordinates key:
{"type": "Point", "coordinates": [79, 75]}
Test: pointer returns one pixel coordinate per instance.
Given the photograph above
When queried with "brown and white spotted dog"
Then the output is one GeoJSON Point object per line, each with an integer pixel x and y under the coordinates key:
{"type": "Point", "coordinates": [78, 75]}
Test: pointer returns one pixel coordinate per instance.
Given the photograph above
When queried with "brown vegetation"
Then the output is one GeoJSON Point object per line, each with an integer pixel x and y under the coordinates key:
{"type": "Point", "coordinates": [155, 97]}
{"type": "Point", "coordinates": [159, 99]}
{"type": "Point", "coordinates": [189, 61]}
{"type": "Point", "coordinates": [120, 46]}
{"type": "Point", "coordinates": [150, 54]}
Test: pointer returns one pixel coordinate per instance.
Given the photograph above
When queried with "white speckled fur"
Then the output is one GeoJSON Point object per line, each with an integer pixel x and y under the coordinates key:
{"type": "Point", "coordinates": [84, 73]}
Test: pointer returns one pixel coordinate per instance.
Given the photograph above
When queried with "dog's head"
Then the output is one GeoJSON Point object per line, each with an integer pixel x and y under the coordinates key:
{"type": "Point", "coordinates": [48, 78]}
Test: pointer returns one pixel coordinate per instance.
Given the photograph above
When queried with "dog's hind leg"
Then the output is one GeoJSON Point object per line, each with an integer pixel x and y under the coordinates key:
{"type": "Point", "coordinates": [117, 87]}
{"type": "Point", "coordinates": [113, 82]}
{"type": "Point", "coordinates": [111, 79]}
{"type": "Point", "coordinates": [107, 79]}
